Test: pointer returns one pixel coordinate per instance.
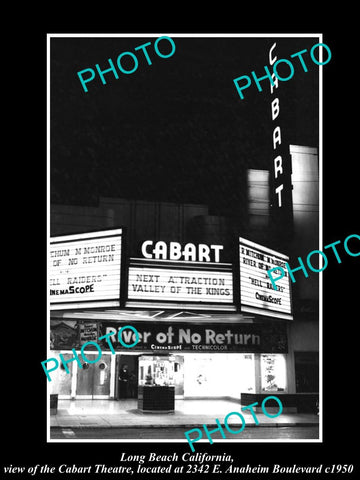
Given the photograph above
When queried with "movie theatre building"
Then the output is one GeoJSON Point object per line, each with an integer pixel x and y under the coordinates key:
{"type": "Point", "coordinates": [202, 319]}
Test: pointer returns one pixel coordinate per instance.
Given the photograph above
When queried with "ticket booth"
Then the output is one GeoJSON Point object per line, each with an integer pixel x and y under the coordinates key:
{"type": "Point", "coordinates": [156, 389]}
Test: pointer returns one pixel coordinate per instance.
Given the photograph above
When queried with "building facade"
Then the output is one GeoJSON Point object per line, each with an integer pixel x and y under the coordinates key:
{"type": "Point", "coordinates": [194, 287]}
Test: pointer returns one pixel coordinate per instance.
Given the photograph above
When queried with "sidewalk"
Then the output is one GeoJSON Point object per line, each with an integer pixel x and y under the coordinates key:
{"type": "Point", "coordinates": [188, 413]}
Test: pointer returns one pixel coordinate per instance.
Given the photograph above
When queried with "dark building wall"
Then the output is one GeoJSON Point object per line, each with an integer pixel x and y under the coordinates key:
{"type": "Point", "coordinates": [142, 220]}
{"type": "Point", "coordinates": [304, 331]}
{"type": "Point", "coordinates": [66, 219]}
{"type": "Point", "coordinates": [305, 182]}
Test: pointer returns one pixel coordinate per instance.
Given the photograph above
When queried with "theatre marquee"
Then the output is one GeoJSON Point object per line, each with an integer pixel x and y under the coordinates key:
{"type": "Point", "coordinates": [257, 295]}
{"type": "Point", "coordinates": [85, 269]}
{"type": "Point", "coordinates": [175, 276]}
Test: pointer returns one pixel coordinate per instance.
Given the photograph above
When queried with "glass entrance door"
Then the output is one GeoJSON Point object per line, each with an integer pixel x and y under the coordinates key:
{"type": "Point", "coordinates": [93, 380]}
{"type": "Point", "coordinates": [127, 376]}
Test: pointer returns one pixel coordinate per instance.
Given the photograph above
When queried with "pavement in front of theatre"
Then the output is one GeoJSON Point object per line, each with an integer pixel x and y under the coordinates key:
{"type": "Point", "coordinates": [124, 413]}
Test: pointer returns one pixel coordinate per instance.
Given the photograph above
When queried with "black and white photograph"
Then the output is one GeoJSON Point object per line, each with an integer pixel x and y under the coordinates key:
{"type": "Point", "coordinates": [195, 308]}
{"type": "Point", "coordinates": [179, 183]}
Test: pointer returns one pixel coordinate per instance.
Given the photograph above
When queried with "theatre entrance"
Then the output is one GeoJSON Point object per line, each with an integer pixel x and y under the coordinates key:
{"type": "Point", "coordinates": [93, 379]}
{"type": "Point", "coordinates": [126, 380]}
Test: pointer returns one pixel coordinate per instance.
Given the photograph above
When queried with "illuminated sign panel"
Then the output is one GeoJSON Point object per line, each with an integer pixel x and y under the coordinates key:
{"type": "Point", "coordinates": [220, 337]}
{"type": "Point", "coordinates": [175, 251]}
{"type": "Point", "coordinates": [257, 294]}
{"type": "Point", "coordinates": [174, 274]}
{"type": "Point", "coordinates": [281, 190]}
{"type": "Point", "coordinates": [180, 285]}
{"type": "Point", "coordinates": [164, 332]}
{"type": "Point", "coordinates": [85, 269]}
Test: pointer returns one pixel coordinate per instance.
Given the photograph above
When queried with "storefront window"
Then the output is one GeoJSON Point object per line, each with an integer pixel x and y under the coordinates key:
{"type": "Point", "coordinates": [273, 373]}
{"type": "Point", "coordinates": [156, 370]}
{"type": "Point", "coordinates": [61, 380]}
{"type": "Point", "coordinates": [220, 375]}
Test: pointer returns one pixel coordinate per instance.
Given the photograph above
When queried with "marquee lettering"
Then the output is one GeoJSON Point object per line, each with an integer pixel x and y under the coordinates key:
{"type": "Point", "coordinates": [175, 251]}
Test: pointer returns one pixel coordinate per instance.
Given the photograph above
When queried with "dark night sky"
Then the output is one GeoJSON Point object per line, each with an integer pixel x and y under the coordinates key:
{"type": "Point", "coordinates": [175, 130]}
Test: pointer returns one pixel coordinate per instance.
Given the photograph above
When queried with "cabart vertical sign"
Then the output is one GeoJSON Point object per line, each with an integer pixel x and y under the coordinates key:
{"type": "Point", "coordinates": [280, 181]}
{"type": "Point", "coordinates": [257, 295]}
{"type": "Point", "coordinates": [85, 269]}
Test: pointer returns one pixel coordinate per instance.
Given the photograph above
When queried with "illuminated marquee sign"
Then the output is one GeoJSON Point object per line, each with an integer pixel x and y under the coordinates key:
{"type": "Point", "coordinates": [257, 294]}
{"type": "Point", "coordinates": [175, 251]}
{"type": "Point", "coordinates": [175, 274]}
{"type": "Point", "coordinates": [177, 337]}
{"type": "Point", "coordinates": [85, 269]}
{"type": "Point", "coordinates": [174, 336]}
{"type": "Point", "coordinates": [281, 191]}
